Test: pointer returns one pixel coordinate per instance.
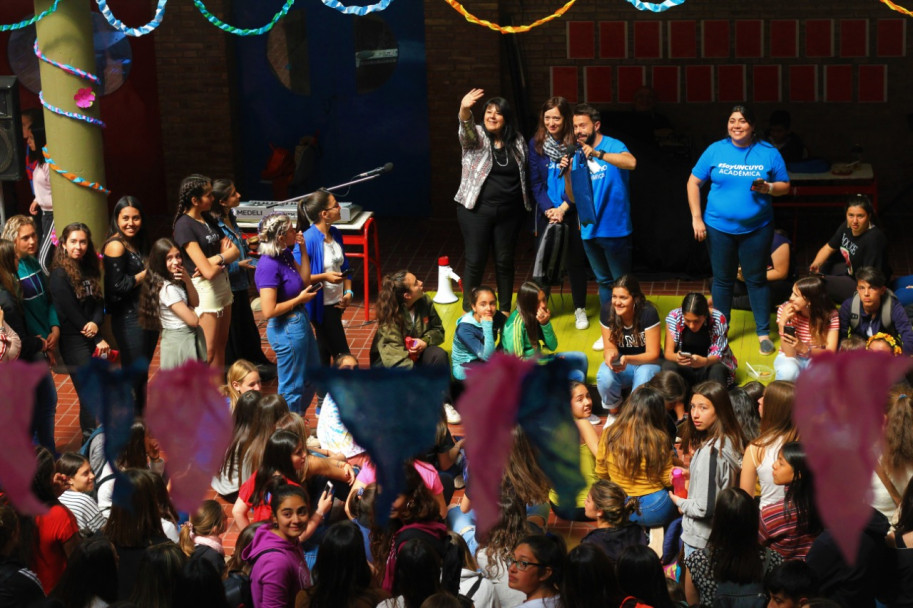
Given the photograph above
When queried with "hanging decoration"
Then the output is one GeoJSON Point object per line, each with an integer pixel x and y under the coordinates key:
{"type": "Point", "coordinates": [73, 71]}
{"type": "Point", "coordinates": [133, 31]}
{"type": "Point", "coordinates": [84, 98]}
{"type": "Point", "coordinates": [73, 115]}
{"type": "Point", "coordinates": [359, 11]}
{"type": "Point", "coordinates": [897, 7]}
{"type": "Point", "coordinates": [656, 7]}
{"type": "Point", "coordinates": [27, 22]}
{"type": "Point", "coordinates": [243, 32]}
{"type": "Point", "coordinates": [508, 29]}
{"type": "Point", "coordinates": [79, 181]}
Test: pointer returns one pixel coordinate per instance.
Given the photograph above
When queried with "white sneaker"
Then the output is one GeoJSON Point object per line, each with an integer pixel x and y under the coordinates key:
{"type": "Point", "coordinates": [594, 419]}
{"type": "Point", "coordinates": [598, 345]}
{"type": "Point", "coordinates": [453, 416]}
{"type": "Point", "coordinates": [610, 420]}
{"type": "Point", "coordinates": [580, 320]}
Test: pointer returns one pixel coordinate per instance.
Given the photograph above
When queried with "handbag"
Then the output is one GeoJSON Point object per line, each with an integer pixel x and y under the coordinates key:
{"type": "Point", "coordinates": [10, 343]}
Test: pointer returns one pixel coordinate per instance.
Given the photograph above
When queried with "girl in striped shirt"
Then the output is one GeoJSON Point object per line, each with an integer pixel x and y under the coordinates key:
{"type": "Point", "coordinates": [808, 324]}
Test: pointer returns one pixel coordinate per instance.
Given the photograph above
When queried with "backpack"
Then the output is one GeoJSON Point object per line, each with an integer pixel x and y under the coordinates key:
{"type": "Point", "coordinates": [237, 586]}
{"type": "Point", "coordinates": [550, 264]}
{"type": "Point", "coordinates": [887, 303]}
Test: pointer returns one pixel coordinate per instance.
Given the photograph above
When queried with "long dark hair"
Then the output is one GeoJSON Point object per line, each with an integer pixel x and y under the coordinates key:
{"type": "Point", "coordinates": [616, 324]}
{"type": "Point", "coordinates": [726, 425]}
{"type": "Point", "coordinates": [9, 278]}
{"type": "Point", "coordinates": [800, 493]}
{"type": "Point", "coordinates": [91, 571]}
{"type": "Point", "coordinates": [905, 516]}
{"type": "Point", "coordinates": [696, 304]}
{"type": "Point", "coordinates": [341, 572]}
{"type": "Point", "coordinates": [589, 579]}
{"type": "Point", "coordinates": [156, 275]}
{"type": "Point", "coordinates": [527, 307]}
{"type": "Point", "coordinates": [277, 461]}
{"type": "Point", "coordinates": [640, 574]}
{"type": "Point", "coordinates": [84, 274]}
{"type": "Point", "coordinates": [390, 299]}
{"type": "Point", "coordinates": [138, 523]}
{"type": "Point", "coordinates": [221, 190]}
{"type": "Point", "coordinates": [418, 572]}
{"type": "Point", "coordinates": [508, 132]}
{"type": "Point", "coordinates": [137, 243]}
{"type": "Point", "coordinates": [820, 306]}
{"type": "Point", "coordinates": [566, 136]}
{"type": "Point", "coordinates": [43, 480]}
{"type": "Point", "coordinates": [639, 440]}
{"type": "Point", "coordinates": [41, 140]}
{"type": "Point", "coordinates": [733, 548]}
{"type": "Point", "coordinates": [550, 551]}
{"type": "Point", "coordinates": [310, 206]}
{"type": "Point", "coordinates": [192, 186]}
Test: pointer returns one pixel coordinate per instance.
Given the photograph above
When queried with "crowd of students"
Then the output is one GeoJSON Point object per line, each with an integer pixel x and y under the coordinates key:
{"type": "Point", "coordinates": [744, 527]}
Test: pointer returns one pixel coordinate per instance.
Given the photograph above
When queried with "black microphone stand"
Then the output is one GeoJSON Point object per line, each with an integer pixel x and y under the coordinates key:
{"type": "Point", "coordinates": [354, 181]}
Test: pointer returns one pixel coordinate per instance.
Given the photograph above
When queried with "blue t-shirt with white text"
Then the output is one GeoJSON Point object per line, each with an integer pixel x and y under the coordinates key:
{"type": "Point", "coordinates": [610, 194]}
{"type": "Point", "coordinates": [732, 206]}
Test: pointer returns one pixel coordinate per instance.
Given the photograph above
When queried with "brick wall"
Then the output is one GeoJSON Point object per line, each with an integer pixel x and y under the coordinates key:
{"type": "Point", "coordinates": [194, 70]}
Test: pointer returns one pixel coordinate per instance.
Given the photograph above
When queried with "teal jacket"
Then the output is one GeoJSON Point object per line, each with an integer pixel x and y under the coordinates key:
{"type": "Point", "coordinates": [514, 339]}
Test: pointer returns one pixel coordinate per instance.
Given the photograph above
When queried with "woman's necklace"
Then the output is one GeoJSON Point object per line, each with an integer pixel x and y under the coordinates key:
{"type": "Point", "coordinates": [497, 160]}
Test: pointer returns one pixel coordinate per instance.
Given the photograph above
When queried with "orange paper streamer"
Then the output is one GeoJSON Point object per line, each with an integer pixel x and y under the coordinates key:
{"type": "Point", "coordinates": [895, 7]}
{"type": "Point", "coordinates": [508, 29]}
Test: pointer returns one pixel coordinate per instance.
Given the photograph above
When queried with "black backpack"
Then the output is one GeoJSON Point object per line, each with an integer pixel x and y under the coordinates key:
{"type": "Point", "coordinates": [237, 586]}
{"type": "Point", "coordinates": [550, 265]}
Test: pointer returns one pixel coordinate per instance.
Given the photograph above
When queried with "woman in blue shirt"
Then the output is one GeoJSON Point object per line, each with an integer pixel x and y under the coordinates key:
{"type": "Point", "coordinates": [745, 173]}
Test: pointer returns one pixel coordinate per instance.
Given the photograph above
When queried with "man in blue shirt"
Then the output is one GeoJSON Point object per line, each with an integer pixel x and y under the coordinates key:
{"type": "Point", "coordinates": [607, 241]}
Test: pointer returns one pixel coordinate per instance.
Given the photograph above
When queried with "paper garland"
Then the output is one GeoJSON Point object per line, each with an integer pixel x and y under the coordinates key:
{"type": "Point", "coordinates": [73, 115]}
{"type": "Point", "coordinates": [656, 7]}
{"type": "Point", "coordinates": [79, 181]}
{"type": "Point", "coordinates": [69, 69]}
{"type": "Point", "coordinates": [243, 32]}
{"type": "Point", "coordinates": [133, 31]}
{"type": "Point", "coordinates": [28, 22]}
{"type": "Point", "coordinates": [897, 7]}
{"type": "Point", "coordinates": [360, 11]}
{"type": "Point", "coordinates": [508, 29]}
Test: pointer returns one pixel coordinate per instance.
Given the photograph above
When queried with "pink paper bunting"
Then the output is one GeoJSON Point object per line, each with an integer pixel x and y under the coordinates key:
{"type": "Point", "coordinates": [17, 462]}
{"type": "Point", "coordinates": [839, 410]}
{"type": "Point", "coordinates": [489, 408]}
{"type": "Point", "coordinates": [192, 422]}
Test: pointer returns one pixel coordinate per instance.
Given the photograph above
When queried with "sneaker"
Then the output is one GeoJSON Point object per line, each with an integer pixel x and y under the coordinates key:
{"type": "Point", "coordinates": [610, 419]}
{"type": "Point", "coordinates": [458, 482]}
{"type": "Point", "coordinates": [767, 347]}
{"type": "Point", "coordinates": [594, 419]}
{"type": "Point", "coordinates": [598, 345]}
{"type": "Point", "coordinates": [453, 416]}
{"type": "Point", "coordinates": [580, 320]}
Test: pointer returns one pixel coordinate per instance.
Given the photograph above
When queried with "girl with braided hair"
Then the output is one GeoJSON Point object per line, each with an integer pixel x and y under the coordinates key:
{"type": "Point", "coordinates": [206, 253]}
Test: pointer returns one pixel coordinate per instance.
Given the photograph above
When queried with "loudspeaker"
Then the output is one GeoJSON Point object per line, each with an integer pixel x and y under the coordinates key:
{"type": "Point", "coordinates": [12, 150]}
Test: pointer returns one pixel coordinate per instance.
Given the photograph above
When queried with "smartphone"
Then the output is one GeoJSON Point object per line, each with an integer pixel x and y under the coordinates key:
{"type": "Point", "coordinates": [347, 273]}
{"type": "Point", "coordinates": [686, 355]}
{"type": "Point", "coordinates": [790, 330]}
{"type": "Point", "coordinates": [616, 362]}
{"type": "Point", "coordinates": [328, 489]}
{"type": "Point", "coordinates": [253, 261]}
{"type": "Point", "coordinates": [316, 286]}
{"type": "Point", "coordinates": [757, 184]}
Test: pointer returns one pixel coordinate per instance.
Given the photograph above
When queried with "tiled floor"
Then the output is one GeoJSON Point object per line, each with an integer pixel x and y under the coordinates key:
{"type": "Point", "coordinates": [416, 245]}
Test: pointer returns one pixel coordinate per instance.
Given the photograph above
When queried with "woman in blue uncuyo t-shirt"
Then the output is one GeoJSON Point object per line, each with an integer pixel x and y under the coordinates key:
{"type": "Point", "coordinates": [744, 174]}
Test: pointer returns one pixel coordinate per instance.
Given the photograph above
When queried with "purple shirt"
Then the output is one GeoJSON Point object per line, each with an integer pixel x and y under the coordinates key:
{"type": "Point", "coordinates": [279, 273]}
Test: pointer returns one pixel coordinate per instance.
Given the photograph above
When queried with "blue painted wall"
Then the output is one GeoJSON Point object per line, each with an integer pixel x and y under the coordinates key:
{"type": "Point", "coordinates": [357, 132]}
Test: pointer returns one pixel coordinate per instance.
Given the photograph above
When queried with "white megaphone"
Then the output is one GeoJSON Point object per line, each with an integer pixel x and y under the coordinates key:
{"type": "Point", "coordinates": [445, 274]}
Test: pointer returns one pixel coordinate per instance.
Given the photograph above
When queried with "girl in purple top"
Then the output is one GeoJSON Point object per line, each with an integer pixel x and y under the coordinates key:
{"type": "Point", "coordinates": [285, 287]}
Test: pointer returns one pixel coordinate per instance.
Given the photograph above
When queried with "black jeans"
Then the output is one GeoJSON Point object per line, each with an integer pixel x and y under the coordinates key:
{"type": "Point", "coordinates": [331, 336]}
{"type": "Point", "coordinates": [77, 351]}
{"type": "Point", "coordinates": [134, 343]}
{"type": "Point", "coordinates": [485, 227]}
{"type": "Point", "coordinates": [692, 376]}
{"type": "Point", "coordinates": [243, 334]}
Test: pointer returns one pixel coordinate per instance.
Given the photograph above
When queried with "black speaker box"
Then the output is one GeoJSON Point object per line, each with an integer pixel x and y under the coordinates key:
{"type": "Point", "coordinates": [12, 149]}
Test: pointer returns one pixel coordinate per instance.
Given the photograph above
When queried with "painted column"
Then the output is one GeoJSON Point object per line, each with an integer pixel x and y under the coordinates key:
{"type": "Point", "coordinates": [76, 146]}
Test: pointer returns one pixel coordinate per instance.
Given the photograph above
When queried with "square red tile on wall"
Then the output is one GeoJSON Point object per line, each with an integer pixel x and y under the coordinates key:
{"type": "Point", "coordinates": [803, 83]}
{"type": "Point", "coordinates": [730, 83]}
{"type": "Point", "coordinates": [581, 40]}
{"type": "Point", "coordinates": [597, 84]}
{"type": "Point", "coordinates": [765, 83]}
{"type": "Point", "coordinates": [854, 37]}
{"type": "Point", "coordinates": [647, 40]}
{"type": "Point", "coordinates": [613, 39]}
{"type": "Point", "coordinates": [667, 83]}
{"type": "Point", "coordinates": [564, 82]}
{"type": "Point", "coordinates": [784, 38]}
{"type": "Point", "coordinates": [838, 83]}
{"type": "Point", "coordinates": [630, 78]}
{"type": "Point", "coordinates": [819, 38]}
{"type": "Point", "coordinates": [749, 36]}
{"type": "Point", "coordinates": [892, 39]}
{"type": "Point", "coordinates": [682, 39]}
{"type": "Point", "coordinates": [873, 83]}
{"type": "Point", "coordinates": [715, 39]}
{"type": "Point", "coordinates": [698, 84]}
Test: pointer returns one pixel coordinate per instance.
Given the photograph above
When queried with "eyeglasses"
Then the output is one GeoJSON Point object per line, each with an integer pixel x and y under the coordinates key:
{"type": "Point", "coordinates": [521, 565]}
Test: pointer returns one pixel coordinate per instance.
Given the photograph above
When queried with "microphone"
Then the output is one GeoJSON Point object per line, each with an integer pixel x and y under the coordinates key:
{"type": "Point", "coordinates": [568, 154]}
{"type": "Point", "coordinates": [379, 171]}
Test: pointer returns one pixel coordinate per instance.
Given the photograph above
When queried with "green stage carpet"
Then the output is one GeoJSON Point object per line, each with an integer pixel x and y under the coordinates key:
{"type": "Point", "coordinates": [742, 338]}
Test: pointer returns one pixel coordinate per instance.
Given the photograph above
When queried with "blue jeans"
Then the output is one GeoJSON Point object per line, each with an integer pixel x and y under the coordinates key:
{"type": "Point", "coordinates": [292, 339]}
{"type": "Point", "coordinates": [751, 251]}
{"type": "Point", "coordinates": [578, 362]}
{"type": "Point", "coordinates": [610, 258]}
{"type": "Point", "coordinates": [44, 413]}
{"type": "Point", "coordinates": [656, 509]}
{"type": "Point", "coordinates": [463, 524]}
{"type": "Point", "coordinates": [610, 383]}
{"type": "Point", "coordinates": [788, 368]}
{"type": "Point", "coordinates": [900, 286]}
